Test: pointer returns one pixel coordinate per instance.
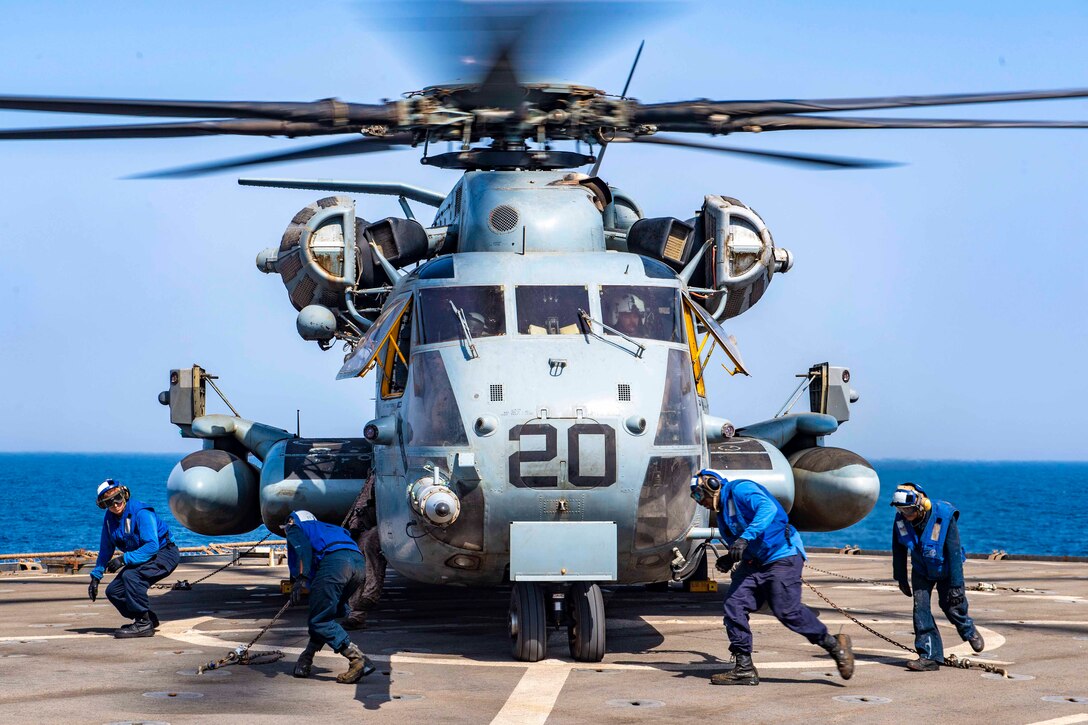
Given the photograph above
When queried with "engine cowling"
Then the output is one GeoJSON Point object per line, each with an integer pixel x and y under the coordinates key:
{"type": "Point", "coordinates": [214, 492]}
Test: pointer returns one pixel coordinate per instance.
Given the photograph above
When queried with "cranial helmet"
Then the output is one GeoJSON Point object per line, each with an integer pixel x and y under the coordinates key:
{"type": "Point", "coordinates": [476, 322]}
{"type": "Point", "coordinates": [630, 303]}
{"type": "Point", "coordinates": [105, 487]}
{"type": "Point", "coordinates": [911, 495]}
{"type": "Point", "coordinates": [298, 517]}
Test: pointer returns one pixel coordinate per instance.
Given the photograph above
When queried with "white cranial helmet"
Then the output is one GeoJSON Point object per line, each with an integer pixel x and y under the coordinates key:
{"type": "Point", "coordinates": [630, 303]}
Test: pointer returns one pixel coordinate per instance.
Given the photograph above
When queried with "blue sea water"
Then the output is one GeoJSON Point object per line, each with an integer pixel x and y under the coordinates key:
{"type": "Point", "coordinates": [47, 500]}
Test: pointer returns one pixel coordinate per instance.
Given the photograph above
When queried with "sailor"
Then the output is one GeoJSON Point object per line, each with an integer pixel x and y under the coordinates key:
{"type": "Point", "coordinates": [627, 315]}
{"type": "Point", "coordinates": [929, 531]}
{"type": "Point", "coordinates": [362, 524]}
{"type": "Point", "coordinates": [769, 556]}
{"type": "Point", "coordinates": [137, 543]}
{"type": "Point", "coordinates": [330, 564]}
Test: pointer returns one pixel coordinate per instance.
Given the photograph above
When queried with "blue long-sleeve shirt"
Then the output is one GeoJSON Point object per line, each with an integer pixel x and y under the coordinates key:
{"type": "Point", "coordinates": [135, 532]}
{"type": "Point", "coordinates": [759, 519]}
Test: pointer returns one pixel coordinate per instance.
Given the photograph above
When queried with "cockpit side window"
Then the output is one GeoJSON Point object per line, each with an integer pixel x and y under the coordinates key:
{"type": "Point", "coordinates": [441, 307]}
{"type": "Point", "coordinates": [650, 312]}
{"type": "Point", "coordinates": [550, 310]}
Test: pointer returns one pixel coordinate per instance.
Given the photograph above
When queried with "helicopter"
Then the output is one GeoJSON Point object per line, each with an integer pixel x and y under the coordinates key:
{"type": "Point", "coordinates": [540, 347]}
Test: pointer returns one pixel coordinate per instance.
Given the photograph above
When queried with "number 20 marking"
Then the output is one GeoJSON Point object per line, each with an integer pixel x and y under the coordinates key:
{"type": "Point", "coordinates": [574, 435]}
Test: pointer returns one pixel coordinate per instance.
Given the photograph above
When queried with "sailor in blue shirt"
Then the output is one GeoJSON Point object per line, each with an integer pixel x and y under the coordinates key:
{"type": "Point", "coordinates": [137, 543]}
{"type": "Point", "coordinates": [928, 530]}
{"type": "Point", "coordinates": [769, 557]}
{"type": "Point", "coordinates": [329, 563]}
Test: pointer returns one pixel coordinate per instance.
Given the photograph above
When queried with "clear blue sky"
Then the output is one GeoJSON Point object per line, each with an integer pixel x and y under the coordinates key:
{"type": "Point", "coordinates": [952, 287]}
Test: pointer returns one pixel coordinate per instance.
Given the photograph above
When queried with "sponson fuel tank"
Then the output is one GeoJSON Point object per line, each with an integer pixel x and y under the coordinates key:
{"type": "Point", "coordinates": [822, 489]}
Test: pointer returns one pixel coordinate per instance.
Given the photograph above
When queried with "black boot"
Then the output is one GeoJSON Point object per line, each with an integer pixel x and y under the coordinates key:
{"type": "Point", "coordinates": [359, 665]}
{"type": "Point", "coordinates": [976, 642]}
{"type": "Point", "coordinates": [743, 673]}
{"type": "Point", "coordinates": [840, 649]}
{"type": "Point", "coordinates": [923, 665]}
{"type": "Point", "coordinates": [305, 664]}
{"type": "Point", "coordinates": [154, 619]}
{"type": "Point", "coordinates": [141, 627]}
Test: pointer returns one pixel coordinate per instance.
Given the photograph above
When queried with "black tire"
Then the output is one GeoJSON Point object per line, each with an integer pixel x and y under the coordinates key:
{"type": "Point", "coordinates": [528, 622]}
{"type": "Point", "coordinates": [586, 633]}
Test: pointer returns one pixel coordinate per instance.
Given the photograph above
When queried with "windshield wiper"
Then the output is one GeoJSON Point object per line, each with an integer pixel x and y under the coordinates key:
{"type": "Point", "coordinates": [469, 343]}
{"type": "Point", "coordinates": [589, 322]}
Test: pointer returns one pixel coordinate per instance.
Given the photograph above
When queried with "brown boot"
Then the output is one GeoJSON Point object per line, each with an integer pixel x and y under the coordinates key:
{"type": "Point", "coordinates": [840, 649]}
{"type": "Point", "coordinates": [356, 620]}
{"type": "Point", "coordinates": [359, 665]}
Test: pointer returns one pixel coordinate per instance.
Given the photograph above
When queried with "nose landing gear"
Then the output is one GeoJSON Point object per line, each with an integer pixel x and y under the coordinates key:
{"type": "Point", "coordinates": [578, 607]}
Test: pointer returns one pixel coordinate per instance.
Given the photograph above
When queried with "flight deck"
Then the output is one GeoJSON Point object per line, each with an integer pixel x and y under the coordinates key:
{"type": "Point", "coordinates": [443, 655]}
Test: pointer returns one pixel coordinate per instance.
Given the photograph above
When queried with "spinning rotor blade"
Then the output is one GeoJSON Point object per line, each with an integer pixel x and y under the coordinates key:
{"type": "Point", "coordinates": [692, 111]}
{"type": "Point", "coordinates": [790, 158]}
{"type": "Point", "coordinates": [174, 130]}
{"type": "Point", "coordinates": [808, 123]}
{"type": "Point", "coordinates": [329, 110]}
{"type": "Point", "coordinates": [340, 148]}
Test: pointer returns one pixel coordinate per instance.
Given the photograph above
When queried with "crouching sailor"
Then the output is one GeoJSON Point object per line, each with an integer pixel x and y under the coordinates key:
{"type": "Point", "coordinates": [928, 530]}
{"type": "Point", "coordinates": [137, 544]}
{"type": "Point", "coordinates": [330, 564]}
{"type": "Point", "coordinates": [771, 557]}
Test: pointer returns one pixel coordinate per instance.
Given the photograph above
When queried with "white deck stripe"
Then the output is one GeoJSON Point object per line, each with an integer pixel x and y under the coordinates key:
{"type": "Point", "coordinates": [1067, 720]}
{"type": "Point", "coordinates": [532, 700]}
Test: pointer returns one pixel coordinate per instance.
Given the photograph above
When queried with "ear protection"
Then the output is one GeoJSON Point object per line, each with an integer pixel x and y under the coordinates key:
{"type": "Point", "coordinates": [911, 495]}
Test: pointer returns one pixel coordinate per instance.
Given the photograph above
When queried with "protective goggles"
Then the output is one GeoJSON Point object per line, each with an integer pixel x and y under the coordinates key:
{"type": "Point", "coordinates": [905, 498]}
{"type": "Point", "coordinates": [107, 501]}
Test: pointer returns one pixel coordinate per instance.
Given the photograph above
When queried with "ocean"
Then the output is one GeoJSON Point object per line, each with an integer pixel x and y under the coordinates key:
{"type": "Point", "coordinates": [1018, 507]}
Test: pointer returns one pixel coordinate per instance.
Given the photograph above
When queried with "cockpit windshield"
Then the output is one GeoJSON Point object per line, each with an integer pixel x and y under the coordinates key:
{"type": "Point", "coordinates": [550, 310]}
{"type": "Point", "coordinates": [482, 308]}
{"type": "Point", "coordinates": [651, 312]}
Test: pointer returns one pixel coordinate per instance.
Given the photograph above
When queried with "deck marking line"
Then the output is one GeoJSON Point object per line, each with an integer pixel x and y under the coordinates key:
{"type": "Point", "coordinates": [1067, 720]}
{"type": "Point", "coordinates": [533, 698]}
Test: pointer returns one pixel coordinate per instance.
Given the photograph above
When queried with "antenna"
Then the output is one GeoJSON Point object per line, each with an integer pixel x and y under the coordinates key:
{"type": "Point", "coordinates": [604, 146]}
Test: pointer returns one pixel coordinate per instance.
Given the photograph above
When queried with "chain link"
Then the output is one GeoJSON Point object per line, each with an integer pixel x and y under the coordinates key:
{"type": "Point", "coordinates": [185, 585]}
{"type": "Point", "coordinates": [949, 661]}
{"type": "Point", "coordinates": [240, 654]}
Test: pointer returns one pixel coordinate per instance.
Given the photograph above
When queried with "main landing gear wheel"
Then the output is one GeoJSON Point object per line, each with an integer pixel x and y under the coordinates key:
{"type": "Point", "coordinates": [587, 623]}
{"type": "Point", "coordinates": [528, 622]}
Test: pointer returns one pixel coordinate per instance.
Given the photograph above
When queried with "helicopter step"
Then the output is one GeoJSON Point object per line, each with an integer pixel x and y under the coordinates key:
{"type": "Point", "coordinates": [567, 578]}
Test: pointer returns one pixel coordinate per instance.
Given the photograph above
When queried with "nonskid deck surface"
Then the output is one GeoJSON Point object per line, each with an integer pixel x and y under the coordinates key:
{"type": "Point", "coordinates": [443, 656]}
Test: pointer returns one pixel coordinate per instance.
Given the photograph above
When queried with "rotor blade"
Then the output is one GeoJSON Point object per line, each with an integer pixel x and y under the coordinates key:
{"type": "Point", "coordinates": [808, 123]}
{"type": "Point", "coordinates": [659, 113]}
{"type": "Point", "coordinates": [330, 109]}
{"type": "Point", "coordinates": [500, 88]}
{"type": "Point", "coordinates": [340, 148]}
{"type": "Point", "coordinates": [791, 158]}
{"type": "Point", "coordinates": [175, 130]}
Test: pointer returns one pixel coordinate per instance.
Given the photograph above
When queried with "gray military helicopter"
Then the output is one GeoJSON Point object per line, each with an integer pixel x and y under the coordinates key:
{"type": "Point", "coordinates": [540, 348]}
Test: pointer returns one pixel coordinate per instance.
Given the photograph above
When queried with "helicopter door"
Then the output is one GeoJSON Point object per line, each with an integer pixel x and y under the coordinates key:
{"type": "Point", "coordinates": [381, 332]}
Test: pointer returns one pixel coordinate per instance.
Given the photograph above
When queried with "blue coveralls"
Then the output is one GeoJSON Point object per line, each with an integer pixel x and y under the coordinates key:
{"type": "Point", "coordinates": [334, 569]}
{"type": "Point", "coordinates": [771, 570]}
{"type": "Point", "coordinates": [149, 552]}
{"type": "Point", "coordinates": [943, 569]}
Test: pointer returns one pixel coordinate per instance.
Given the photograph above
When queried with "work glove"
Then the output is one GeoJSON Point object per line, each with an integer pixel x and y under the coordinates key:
{"type": "Point", "coordinates": [115, 563]}
{"type": "Point", "coordinates": [956, 596]}
{"type": "Point", "coordinates": [296, 590]}
{"type": "Point", "coordinates": [904, 587]}
{"type": "Point", "coordinates": [725, 563]}
{"type": "Point", "coordinates": [92, 589]}
{"type": "Point", "coordinates": [737, 549]}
